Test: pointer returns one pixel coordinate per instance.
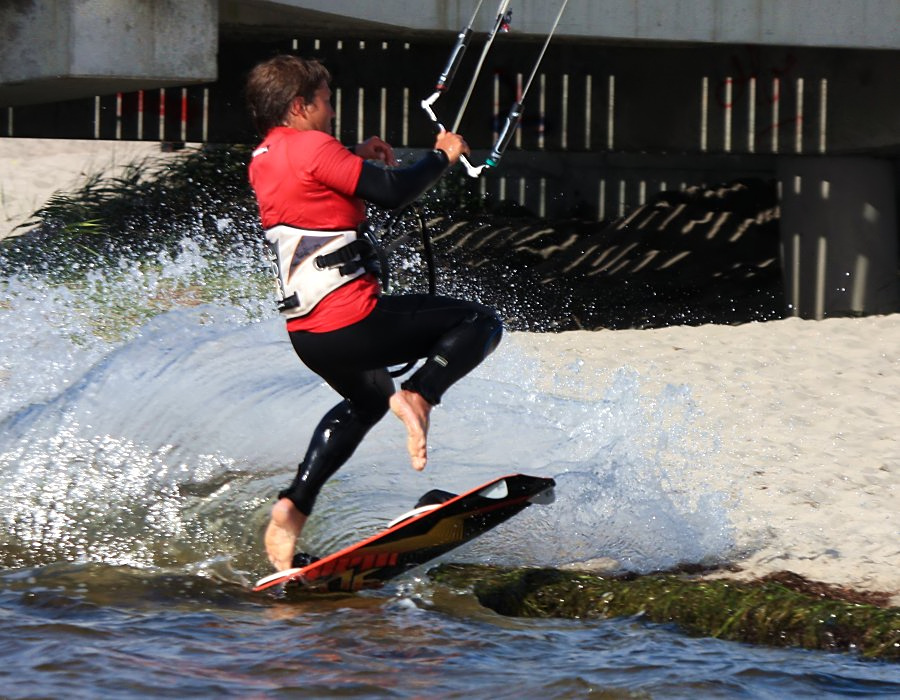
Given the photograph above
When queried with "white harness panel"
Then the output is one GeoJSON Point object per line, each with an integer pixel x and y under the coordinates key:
{"type": "Point", "coordinates": [301, 282]}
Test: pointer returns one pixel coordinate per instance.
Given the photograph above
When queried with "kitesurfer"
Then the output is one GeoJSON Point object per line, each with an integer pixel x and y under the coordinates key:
{"type": "Point", "coordinates": [312, 195]}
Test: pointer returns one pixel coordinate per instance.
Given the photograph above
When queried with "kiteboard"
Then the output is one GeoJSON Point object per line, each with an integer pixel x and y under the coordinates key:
{"type": "Point", "coordinates": [440, 522]}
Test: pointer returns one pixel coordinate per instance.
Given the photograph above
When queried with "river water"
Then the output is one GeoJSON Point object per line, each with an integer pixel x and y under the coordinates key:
{"type": "Point", "coordinates": [146, 427]}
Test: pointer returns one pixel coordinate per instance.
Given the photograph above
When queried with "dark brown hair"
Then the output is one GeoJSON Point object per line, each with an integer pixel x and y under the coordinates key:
{"type": "Point", "coordinates": [273, 84]}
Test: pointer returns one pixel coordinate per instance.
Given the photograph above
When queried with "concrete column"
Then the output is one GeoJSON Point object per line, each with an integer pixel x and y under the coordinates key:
{"type": "Point", "coordinates": [56, 50]}
{"type": "Point", "coordinates": [839, 236]}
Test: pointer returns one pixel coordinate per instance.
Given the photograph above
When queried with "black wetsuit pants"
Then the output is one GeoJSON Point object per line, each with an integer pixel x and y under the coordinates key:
{"type": "Point", "coordinates": [453, 336]}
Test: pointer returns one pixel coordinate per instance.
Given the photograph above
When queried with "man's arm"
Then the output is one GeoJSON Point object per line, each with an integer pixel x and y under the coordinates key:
{"type": "Point", "coordinates": [394, 188]}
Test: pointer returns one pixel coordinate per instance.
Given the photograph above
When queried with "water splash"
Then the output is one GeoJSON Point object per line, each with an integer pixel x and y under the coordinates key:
{"type": "Point", "coordinates": [151, 410]}
{"type": "Point", "coordinates": [52, 330]}
{"type": "Point", "coordinates": [632, 471]}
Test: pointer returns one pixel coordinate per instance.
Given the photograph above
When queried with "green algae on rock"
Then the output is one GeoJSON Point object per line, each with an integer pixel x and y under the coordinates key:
{"type": "Point", "coordinates": [759, 612]}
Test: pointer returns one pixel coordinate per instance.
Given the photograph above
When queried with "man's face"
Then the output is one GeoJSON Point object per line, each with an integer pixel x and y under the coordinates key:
{"type": "Point", "coordinates": [319, 112]}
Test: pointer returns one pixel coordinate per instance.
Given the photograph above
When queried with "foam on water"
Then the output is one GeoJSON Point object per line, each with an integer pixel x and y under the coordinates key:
{"type": "Point", "coordinates": [630, 468]}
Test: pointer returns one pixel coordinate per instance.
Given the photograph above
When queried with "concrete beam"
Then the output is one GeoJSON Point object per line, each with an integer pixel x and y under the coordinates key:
{"type": "Point", "coordinates": [870, 24]}
{"type": "Point", "coordinates": [65, 49]}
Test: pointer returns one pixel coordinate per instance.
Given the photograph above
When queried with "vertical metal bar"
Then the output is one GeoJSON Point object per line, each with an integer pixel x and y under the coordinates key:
{"type": "Point", "coordinates": [382, 122]}
{"type": "Point", "coordinates": [729, 91]}
{"type": "Point", "coordinates": [858, 292]}
{"type": "Point", "coordinates": [704, 114]}
{"type": "Point", "coordinates": [823, 115]}
{"type": "Point", "coordinates": [360, 113]}
{"type": "Point", "coordinates": [776, 89]}
{"type": "Point", "coordinates": [798, 122]}
{"type": "Point", "coordinates": [601, 201]}
{"type": "Point", "coordinates": [161, 133]}
{"type": "Point", "coordinates": [821, 275]}
{"type": "Point", "coordinates": [751, 115]}
{"type": "Point", "coordinates": [184, 113]}
{"type": "Point", "coordinates": [795, 274]}
{"type": "Point", "coordinates": [588, 84]}
{"type": "Point", "coordinates": [205, 115]}
{"type": "Point", "coordinates": [140, 115]}
{"type": "Point", "coordinates": [497, 117]}
{"type": "Point", "coordinates": [611, 113]}
{"type": "Point", "coordinates": [797, 186]}
{"type": "Point", "coordinates": [405, 138]}
{"type": "Point", "coordinates": [542, 111]}
{"type": "Point", "coordinates": [118, 131]}
{"type": "Point", "coordinates": [518, 99]}
{"type": "Point", "coordinates": [338, 102]}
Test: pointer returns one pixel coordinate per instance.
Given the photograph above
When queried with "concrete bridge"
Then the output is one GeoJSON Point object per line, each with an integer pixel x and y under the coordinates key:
{"type": "Point", "coordinates": [62, 49]}
{"type": "Point", "coordinates": [634, 97]}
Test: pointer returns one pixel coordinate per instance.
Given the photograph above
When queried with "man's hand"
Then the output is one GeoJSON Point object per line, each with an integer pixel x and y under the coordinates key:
{"type": "Point", "coordinates": [452, 144]}
{"type": "Point", "coordinates": [374, 148]}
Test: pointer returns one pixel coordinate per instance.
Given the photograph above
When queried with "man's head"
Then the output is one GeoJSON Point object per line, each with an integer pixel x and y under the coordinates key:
{"type": "Point", "coordinates": [283, 84]}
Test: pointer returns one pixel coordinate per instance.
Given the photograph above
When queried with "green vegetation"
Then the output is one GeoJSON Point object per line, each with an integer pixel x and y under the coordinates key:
{"type": "Point", "coordinates": [151, 207]}
{"type": "Point", "coordinates": [111, 243]}
{"type": "Point", "coordinates": [778, 611]}
{"type": "Point", "coordinates": [154, 204]}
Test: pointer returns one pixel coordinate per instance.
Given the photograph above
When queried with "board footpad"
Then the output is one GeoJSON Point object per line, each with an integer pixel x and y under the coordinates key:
{"type": "Point", "coordinates": [434, 498]}
{"type": "Point", "coordinates": [302, 559]}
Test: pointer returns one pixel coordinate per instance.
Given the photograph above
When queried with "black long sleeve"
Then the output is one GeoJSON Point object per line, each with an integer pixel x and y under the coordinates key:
{"type": "Point", "coordinates": [393, 188]}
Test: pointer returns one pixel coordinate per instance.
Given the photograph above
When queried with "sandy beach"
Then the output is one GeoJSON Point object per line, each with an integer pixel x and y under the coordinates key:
{"type": "Point", "coordinates": [806, 411]}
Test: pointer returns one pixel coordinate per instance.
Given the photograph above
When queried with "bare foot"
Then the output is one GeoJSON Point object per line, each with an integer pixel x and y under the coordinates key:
{"type": "Point", "coordinates": [282, 532]}
{"type": "Point", "coordinates": [413, 410]}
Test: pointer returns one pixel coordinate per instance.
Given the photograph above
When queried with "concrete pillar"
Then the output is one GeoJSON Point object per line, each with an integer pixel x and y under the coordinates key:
{"type": "Point", "coordinates": [839, 236]}
{"type": "Point", "coordinates": [56, 50]}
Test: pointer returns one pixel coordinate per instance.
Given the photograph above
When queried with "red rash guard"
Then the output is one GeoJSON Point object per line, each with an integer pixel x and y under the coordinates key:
{"type": "Point", "coordinates": [307, 179]}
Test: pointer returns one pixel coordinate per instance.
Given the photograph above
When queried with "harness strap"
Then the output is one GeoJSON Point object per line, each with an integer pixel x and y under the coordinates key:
{"type": "Point", "coordinates": [350, 257]}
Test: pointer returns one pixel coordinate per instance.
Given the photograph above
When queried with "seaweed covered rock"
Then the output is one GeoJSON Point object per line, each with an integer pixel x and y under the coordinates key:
{"type": "Point", "coordinates": [761, 612]}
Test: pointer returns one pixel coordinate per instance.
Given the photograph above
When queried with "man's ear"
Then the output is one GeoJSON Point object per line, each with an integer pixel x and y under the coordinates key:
{"type": "Point", "coordinates": [298, 106]}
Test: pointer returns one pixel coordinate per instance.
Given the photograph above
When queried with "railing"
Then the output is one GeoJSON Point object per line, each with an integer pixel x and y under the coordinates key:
{"type": "Point", "coordinates": [740, 104]}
